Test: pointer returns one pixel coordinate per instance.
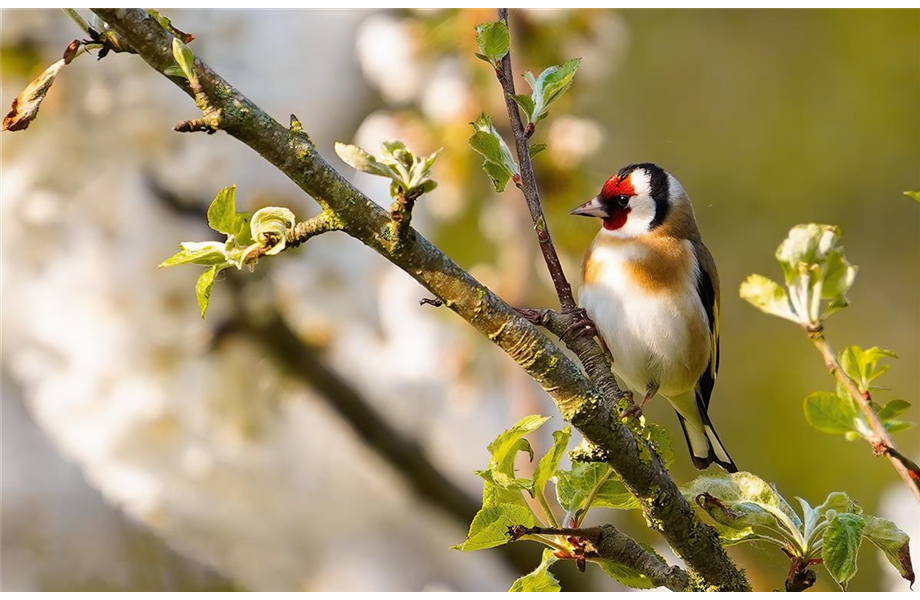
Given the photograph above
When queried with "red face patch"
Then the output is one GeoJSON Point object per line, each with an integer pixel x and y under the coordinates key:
{"type": "Point", "coordinates": [617, 220]}
{"type": "Point", "coordinates": [617, 187]}
{"type": "Point", "coordinates": [613, 188]}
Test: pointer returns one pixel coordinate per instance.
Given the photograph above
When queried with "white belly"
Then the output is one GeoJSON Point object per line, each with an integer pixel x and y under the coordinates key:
{"type": "Point", "coordinates": [654, 337]}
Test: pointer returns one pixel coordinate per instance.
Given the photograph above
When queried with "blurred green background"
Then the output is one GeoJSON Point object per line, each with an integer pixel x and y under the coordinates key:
{"type": "Point", "coordinates": [768, 118]}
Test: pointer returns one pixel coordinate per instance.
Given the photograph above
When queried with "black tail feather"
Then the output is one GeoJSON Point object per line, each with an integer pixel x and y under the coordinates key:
{"type": "Point", "coordinates": [702, 463]}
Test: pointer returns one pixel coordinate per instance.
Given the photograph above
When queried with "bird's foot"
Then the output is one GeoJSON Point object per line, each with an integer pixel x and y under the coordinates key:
{"type": "Point", "coordinates": [633, 411]}
{"type": "Point", "coordinates": [536, 316]}
{"type": "Point", "coordinates": [636, 409]}
{"type": "Point", "coordinates": [582, 325]}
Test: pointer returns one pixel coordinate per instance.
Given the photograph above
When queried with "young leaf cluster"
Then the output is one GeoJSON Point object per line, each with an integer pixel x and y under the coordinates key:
{"type": "Point", "coordinates": [817, 277]}
{"type": "Point", "coordinates": [409, 174]}
{"type": "Point", "coordinates": [746, 508]}
{"type": "Point", "coordinates": [505, 501]}
{"type": "Point", "coordinates": [249, 237]}
{"type": "Point", "coordinates": [546, 89]}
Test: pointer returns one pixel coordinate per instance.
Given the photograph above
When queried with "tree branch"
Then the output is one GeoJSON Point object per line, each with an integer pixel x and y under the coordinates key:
{"type": "Point", "coordinates": [578, 400]}
{"type": "Point", "coordinates": [608, 542]}
{"type": "Point", "coordinates": [881, 444]}
{"type": "Point", "coordinates": [303, 231]}
{"type": "Point", "coordinates": [581, 340]}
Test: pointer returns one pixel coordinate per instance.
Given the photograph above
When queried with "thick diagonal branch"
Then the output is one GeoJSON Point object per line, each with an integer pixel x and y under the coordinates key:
{"type": "Point", "coordinates": [577, 398]}
{"type": "Point", "coordinates": [608, 542]}
{"type": "Point", "coordinates": [881, 443]}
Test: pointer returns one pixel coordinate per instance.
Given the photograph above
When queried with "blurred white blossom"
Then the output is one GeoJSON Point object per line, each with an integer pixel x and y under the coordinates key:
{"type": "Point", "coordinates": [389, 59]}
{"type": "Point", "coordinates": [571, 139]}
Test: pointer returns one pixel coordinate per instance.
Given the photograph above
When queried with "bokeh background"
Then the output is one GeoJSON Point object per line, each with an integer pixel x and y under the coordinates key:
{"type": "Point", "coordinates": [146, 449]}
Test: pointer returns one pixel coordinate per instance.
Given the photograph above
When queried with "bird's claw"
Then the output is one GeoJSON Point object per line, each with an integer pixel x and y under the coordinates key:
{"type": "Point", "coordinates": [633, 411]}
{"type": "Point", "coordinates": [582, 326]}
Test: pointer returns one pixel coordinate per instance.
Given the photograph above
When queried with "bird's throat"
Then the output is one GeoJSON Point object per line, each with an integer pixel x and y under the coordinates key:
{"type": "Point", "coordinates": [616, 220]}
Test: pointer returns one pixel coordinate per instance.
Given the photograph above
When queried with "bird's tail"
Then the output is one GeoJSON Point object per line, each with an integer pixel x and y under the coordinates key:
{"type": "Point", "coordinates": [705, 446]}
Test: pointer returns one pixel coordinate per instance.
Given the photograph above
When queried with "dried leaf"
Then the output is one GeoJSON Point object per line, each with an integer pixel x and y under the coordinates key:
{"type": "Point", "coordinates": [25, 106]}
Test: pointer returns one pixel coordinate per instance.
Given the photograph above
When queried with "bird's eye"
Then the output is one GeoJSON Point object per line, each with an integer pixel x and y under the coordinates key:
{"type": "Point", "coordinates": [623, 200]}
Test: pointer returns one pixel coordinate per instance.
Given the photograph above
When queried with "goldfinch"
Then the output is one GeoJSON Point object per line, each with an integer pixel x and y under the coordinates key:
{"type": "Point", "coordinates": [651, 287]}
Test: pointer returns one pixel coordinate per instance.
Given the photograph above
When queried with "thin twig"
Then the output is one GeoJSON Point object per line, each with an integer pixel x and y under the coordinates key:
{"type": "Point", "coordinates": [608, 542]}
{"type": "Point", "coordinates": [881, 442]}
{"type": "Point", "coordinates": [579, 339]}
{"type": "Point", "coordinates": [80, 21]}
{"type": "Point", "coordinates": [303, 231]}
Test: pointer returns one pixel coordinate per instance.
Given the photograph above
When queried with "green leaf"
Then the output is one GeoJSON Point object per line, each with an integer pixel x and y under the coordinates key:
{"type": "Point", "coordinates": [186, 60]}
{"type": "Point", "coordinates": [269, 228]}
{"type": "Point", "coordinates": [540, 579]}
{"type": "Point", "coordinates": [841, 546]}
{"type": "Point", "coordinates": [893, 542]}
{"type": "Point", "coordinates": [426, 186]}
{"type": "Point", "coordinates": [491, 523]}
{"type": "Point", "coordinates": [499, 164]}
{"type": "Point", "coordinates": [913, 195]}
{"type": "Point", "coordinates": [741, 501]}
{"type": "Point", "coordinates": [830, 413]}
{"type": "Point", "coordinates": [839, 502]}
{"type": "Point", "coordinates": [893, 409]}
{"type": "Point", "coordinates": [501, 485]}
{"type": "Point", "coordinates": [204, 285]}
{"type": "Point", "coordinates": [498, 175]}
{"type": "Point", "coordinates": [174, 71]}
{"type": "Point", "coordinates": [421, 171]}
{"type": "Point", "coordinates": [862, 365]}
{"type": "Point", "coordinates": [491, 146]}
{"type": "Point", "coordinates": [838, 276]}
{"type": "Point", "coordinates": [222, 217]}
{"type": "Point", "coordinates": [525, 102]}
{"type": "Point", "coordinates": [168, 26]}
{"type": "Point", "coordinates": [574, 487]}
{"type": "Point", "coordinates": [549, 464]}
{"type": "Point", "coordinates": [810, 514]}
{"type": "Point", "coordinates": [550, 85]}
{"type": "Point", "coordinates": [502, 489]}
{"type": "Point", "coordinates": [625, 575]}
{"type": "Point", "coordinates": [199, 253]}
{"type": "Point", "coordinates": [894, 426]}
{"type": "Point", "coordinates": [768, 296]}
{"type": "Point", "coordinates": [536, 149]}
{"type": "Point", "coordinates": [509, 442]}
{"type": "Point", "coordinates": [493, 40]}
{"type": "Point", "coordinates": [357, 158]}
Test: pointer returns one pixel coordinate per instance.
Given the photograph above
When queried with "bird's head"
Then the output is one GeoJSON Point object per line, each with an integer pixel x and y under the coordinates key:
{"type": "Point", "coordinates": [634, 201]}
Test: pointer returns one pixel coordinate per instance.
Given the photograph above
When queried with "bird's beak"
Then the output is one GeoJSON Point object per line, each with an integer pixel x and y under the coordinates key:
{"type": "Point", "coordinates": [592, 208]}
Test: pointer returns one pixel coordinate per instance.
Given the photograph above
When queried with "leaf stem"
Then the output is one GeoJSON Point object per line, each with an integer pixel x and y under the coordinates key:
{"type": "Point", "coordinates": [546, 508]}
{"type": "Point", "coordinates": [583, 511]}
{"type": "Point", "coordinates": [547, 541]}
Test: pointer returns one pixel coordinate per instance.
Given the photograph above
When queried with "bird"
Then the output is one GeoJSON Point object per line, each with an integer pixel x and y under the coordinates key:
{"type": "Point", "coordinates": [651, 288]}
